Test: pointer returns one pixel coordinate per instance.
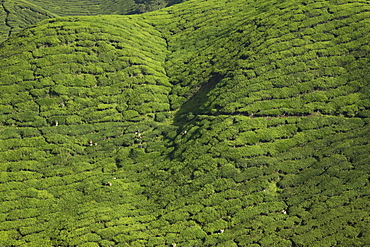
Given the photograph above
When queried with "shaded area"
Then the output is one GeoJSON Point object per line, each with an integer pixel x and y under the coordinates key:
{"type": "Point", "coordinates": [195, 104]}
{"type": "Point", "coordinates": [87, 129]}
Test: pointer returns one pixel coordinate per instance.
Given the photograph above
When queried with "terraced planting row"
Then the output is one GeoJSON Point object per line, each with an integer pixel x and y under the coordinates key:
{"type": "Point", "coordinates": [68, 114]}
{"type": "Point", "coordinates": [85, 7]}
{"type": "Point", "coordinates": [80, 81]}
{"type": "Point", "coordinates": [307, 64]}
{"type": "Point", "coordinates": [273, 191]}
{"type": "Point", "coordinates": [15, 16]}
{"type": "Point", "coordinates": [317, 74]}
{"type": "Point", "coordinates": [62, 178]}
{"type": "Point", "coordinates": [204, 124]}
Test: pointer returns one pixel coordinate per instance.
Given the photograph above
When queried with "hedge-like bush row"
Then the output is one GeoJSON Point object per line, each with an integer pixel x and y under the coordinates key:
{"type": "Point", "coordinates": [204, 124]}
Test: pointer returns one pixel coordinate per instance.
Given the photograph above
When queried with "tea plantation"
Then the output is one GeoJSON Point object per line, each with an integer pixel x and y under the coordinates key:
{"type": "Point", "coordinates": [207, 123]}
{"type": "Point", "coordinates": [16, 15]}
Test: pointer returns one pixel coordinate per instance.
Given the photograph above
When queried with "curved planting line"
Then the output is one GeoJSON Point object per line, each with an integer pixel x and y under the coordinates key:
{"type": "Point", "coordinates": [6, 21]}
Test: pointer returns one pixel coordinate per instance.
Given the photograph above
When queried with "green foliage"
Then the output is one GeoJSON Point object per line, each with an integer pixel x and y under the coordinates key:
{"type": "Point", "coordinates": [17, 16]}
{"type": "Point", "coordinates": [204, 124]}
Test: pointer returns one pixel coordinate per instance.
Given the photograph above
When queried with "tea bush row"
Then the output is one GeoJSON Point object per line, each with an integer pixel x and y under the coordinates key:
{"type": "Point", "coordinates": [110, 164]}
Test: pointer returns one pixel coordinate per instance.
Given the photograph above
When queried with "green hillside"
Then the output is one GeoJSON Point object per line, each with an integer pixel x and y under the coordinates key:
{"type": "Point", "coordinates": [86, 7]}
{"type": "Point", "coordinates": [208, 123]}
{"type": "Point", "coordinates": [17, 15]}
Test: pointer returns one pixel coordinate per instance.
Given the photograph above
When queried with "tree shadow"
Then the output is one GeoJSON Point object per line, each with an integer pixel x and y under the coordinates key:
{"type": "Point", "coordinates": [195, 105]}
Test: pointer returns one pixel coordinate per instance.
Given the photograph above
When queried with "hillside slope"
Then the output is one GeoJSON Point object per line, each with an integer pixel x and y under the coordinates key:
{"type": "Point", "coordinates": [17, 15]}
{"type": "Point", "coordinates": [86, 7]}
{"type": "Point", "coordinates": [209, 123]}
{"type": "Point", "coordinates": [74, 91]}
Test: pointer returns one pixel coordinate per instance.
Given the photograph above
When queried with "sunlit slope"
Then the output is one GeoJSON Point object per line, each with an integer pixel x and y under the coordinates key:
{"type": "Point", "coordinates": [73, 92]}
{"type": "Point", "coordinates": [284, 181]}
{"type": "Point", "coordinates": [290, 58]}
{"type": "Point", "coordinates": [165, 128]}
{"type": "Point", "coordinates": [274, 125]}
{"type": "Point", "coordinates": [302, 59]}
{"type": "Point", "coordinates": [86, 7]}
{"type": "Point", "coordinates": [17, 15]}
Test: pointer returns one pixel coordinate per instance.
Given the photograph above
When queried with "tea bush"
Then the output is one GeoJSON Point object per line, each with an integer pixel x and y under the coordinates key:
{"type": "Point", "coordinates": [207, 123]}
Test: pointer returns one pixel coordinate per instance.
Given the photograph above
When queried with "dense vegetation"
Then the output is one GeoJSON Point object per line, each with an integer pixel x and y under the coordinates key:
{"type": "Point", "coordinates": [208, 123]}
{"type": "Point", "coordinates": [16, 15]}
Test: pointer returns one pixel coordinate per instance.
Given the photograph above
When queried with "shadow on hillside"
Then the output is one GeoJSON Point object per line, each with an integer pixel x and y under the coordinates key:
{"type": "Point", "coordinates": [195, 105]}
